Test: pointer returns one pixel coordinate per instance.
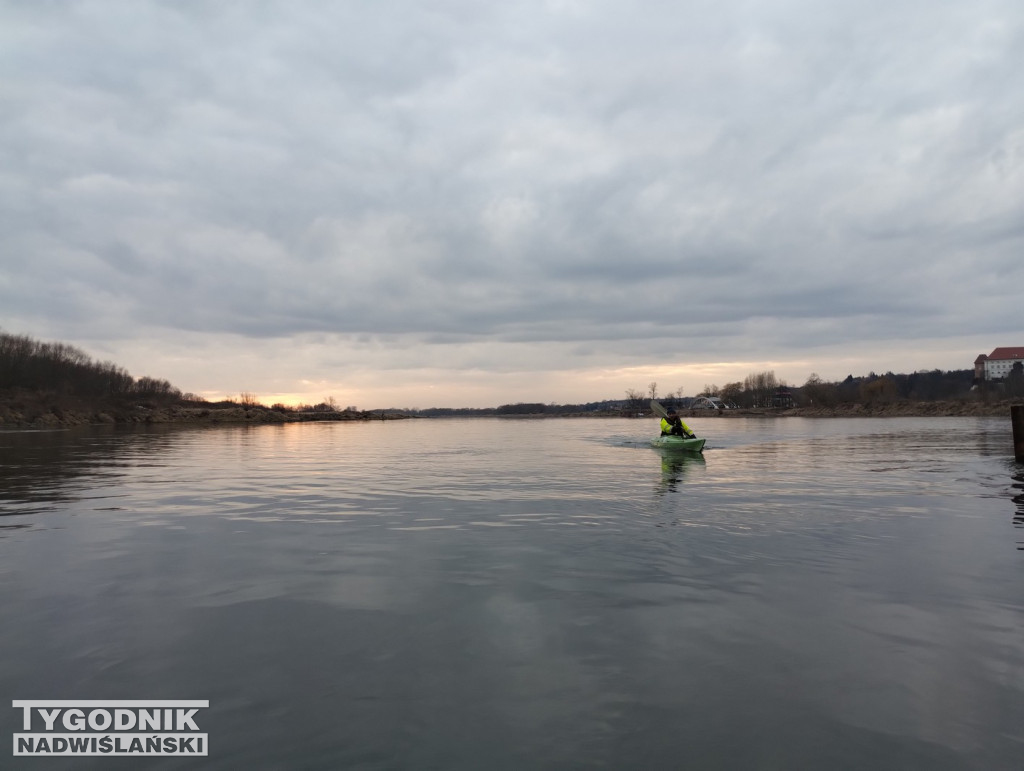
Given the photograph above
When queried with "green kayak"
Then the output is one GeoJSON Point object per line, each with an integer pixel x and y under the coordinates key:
{"type": "Point", "coordinates": [678, 443]}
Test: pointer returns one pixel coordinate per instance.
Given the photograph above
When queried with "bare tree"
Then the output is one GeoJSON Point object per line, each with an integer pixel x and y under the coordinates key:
{"type": "Point", "coordinates": [761, 386]}
{"type": "Point", "coordinates": [818, 392]}
{"type": "Point", "coordinates": [61, 368]}
{"type": "Point", "coordinates": [634, 399]}
{"type": "Point", "coordinates": [880, 390]}
{"type": "Point", "coordinates": [732, 392]}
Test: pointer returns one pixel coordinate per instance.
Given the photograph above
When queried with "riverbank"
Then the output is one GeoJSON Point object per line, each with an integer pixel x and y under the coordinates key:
{"type": "Point", "coordinates": [904, 409]}
{"type": "Point", "coordinates": [37, 414]}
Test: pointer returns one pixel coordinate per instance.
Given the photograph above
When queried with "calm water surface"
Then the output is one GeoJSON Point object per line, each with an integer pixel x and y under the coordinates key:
{"type": "Point", "coordinates": [514, 594]}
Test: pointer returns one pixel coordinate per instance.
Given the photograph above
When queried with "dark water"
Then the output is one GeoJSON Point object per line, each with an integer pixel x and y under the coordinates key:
{"type": "Point", "coordinates": [490, 594]}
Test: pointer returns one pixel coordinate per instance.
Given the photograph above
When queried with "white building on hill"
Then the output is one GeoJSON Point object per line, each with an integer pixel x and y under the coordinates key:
{"type": "Point", "coordinates": [997, 365]}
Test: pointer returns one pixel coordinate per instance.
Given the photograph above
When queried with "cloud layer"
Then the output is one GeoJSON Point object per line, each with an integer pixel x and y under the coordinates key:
{"type": "Point", "coordinates": [434, 192]}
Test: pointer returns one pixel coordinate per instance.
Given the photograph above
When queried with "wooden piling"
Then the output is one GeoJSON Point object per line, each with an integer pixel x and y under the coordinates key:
{"type": "Point", "coordinates": [1017, 419]}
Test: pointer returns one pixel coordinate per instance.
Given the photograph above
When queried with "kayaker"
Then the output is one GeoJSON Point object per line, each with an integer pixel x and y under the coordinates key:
{"type": "Point", "coordinates": [673, 425]}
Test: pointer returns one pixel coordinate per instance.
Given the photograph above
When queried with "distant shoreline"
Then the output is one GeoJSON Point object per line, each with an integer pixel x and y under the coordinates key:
{"type": "Point", "coordinates": [39, 417]}
{"type": "Point", "coordinates": [938, 409]}
{"type": "Point", "coordinates": [174, 414]}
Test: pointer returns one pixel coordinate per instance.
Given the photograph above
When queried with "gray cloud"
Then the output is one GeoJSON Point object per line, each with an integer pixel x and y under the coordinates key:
{"type": "Point", "coordinates": [755, 180]}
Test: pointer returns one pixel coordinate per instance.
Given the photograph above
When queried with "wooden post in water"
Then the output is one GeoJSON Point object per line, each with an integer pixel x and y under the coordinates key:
{"type": "Point", "coordinates": [1017, 418]}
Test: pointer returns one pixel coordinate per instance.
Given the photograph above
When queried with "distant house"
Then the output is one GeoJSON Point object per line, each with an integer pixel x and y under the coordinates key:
{"type": "Point", "coordinates": [782, 397]}
{"type": "Point", "coordinates": [979, 367]}
{"type": "Point", "coordinates": [997, 365]}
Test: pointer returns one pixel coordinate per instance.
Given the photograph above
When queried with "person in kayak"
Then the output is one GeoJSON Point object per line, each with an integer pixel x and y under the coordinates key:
{"type": "Point", "coordinates": [673, 425]}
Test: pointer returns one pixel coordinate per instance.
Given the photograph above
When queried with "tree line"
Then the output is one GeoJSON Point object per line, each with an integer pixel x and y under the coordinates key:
{"type": "Point", "coordinates": [518, 408]}
{"type": "Point", "coordinates": [60, 368]}
{"type": "Point", "coordinates": [764, 389]}
{"type": "Point", "coordinates": [922, 386]}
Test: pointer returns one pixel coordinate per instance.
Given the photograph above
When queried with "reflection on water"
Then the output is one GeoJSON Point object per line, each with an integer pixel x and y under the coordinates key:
{"type": "Point", "coordinates": [1017, 488]}
{"type": "Point", "coordinates": [45, 470]}
{"type": "Point", "coordinates": [674, 467]}
{"type": "Point", "coordinates": [524, 594]}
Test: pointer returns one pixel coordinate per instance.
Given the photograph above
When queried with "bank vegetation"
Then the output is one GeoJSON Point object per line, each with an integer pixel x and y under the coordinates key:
{"type": "Point", "coordinates": [45, 384]}
{"type": "Point", "coordinates": [54, 384]}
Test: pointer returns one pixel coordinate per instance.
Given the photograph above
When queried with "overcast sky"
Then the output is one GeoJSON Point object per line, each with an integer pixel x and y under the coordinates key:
{"type": "Point", "coordinates": [456, 203]}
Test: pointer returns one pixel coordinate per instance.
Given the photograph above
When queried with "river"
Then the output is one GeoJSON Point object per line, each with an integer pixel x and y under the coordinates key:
{"type": "Point", "coordinates": [526, 594]}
